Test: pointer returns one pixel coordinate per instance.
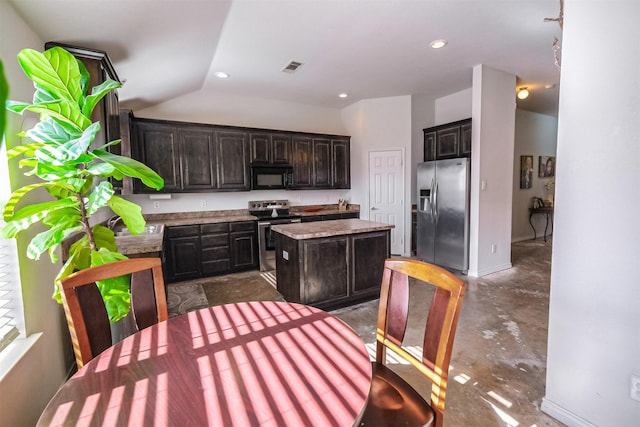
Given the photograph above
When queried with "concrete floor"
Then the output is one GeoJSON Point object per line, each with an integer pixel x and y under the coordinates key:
{"type": "Point", "coordinates": [498, 366]}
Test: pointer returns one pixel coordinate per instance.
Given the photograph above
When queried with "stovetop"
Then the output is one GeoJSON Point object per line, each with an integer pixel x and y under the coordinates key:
{"type": "Point", "coordinates": [271, 209]}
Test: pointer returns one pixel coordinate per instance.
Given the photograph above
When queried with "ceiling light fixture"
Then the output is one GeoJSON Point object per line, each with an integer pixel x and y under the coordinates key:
{"type": "Point", "coordinates": [438, 44]}
{"type": "Point", "coordinates": [523, 93]}
{"type": "Point", "coordinates": [343, 95]}
{"type": "Point", "coordinates": [221, 75]}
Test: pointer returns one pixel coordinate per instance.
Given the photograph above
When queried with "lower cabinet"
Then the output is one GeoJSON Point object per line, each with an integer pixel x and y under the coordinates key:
{"type": "Point", "coordinates": [195, 251]}
{"type": "Point", "coordinates": [331, 272]}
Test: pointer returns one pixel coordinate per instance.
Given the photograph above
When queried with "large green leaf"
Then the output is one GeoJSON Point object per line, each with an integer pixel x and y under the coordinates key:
{"type": "Point", "coordinates": [27, 149]}
{"type": "Point", "coordinates": [64, 112]}
{"type": "Point", "coordinates": [99, 197]}
{"type": "Point", "coordinates": [104, 238]}
{"type": "Point", "coordinates": [97, 94]}
{"type": "Point", "coordinates": [55, 70]}
{"type": "Point", "coordinates": [72, 215]}
{"type": "Point", "coordinates": [101, 169]}
{"type": "Point", "coordinates": [133, 168]}
{"type": "Point", "coordinates": [69, 151]}
{"type": "Point", "coordinates": [130, 213]}
{"type": "Point", "coordinates": [10, 207]}
{"type": "Point", "coordinates": [49, 131]}
{"type": "Point", "coordinates": [31, 214]}
{"type": "Point", "coordinates": [44, 240]}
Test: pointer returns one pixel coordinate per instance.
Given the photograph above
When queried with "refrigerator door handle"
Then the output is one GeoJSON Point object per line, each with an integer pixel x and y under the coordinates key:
{"type": "Point", "coordinates": [432, 200]}
{"type": "Point", "coordinates": [435, 202]}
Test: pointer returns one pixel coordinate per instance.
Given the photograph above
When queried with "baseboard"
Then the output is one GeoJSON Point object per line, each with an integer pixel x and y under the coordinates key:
{"type": "Point", "coordinates": [495, 269]}
{"type": "Point", "coordinates": [563, 415]}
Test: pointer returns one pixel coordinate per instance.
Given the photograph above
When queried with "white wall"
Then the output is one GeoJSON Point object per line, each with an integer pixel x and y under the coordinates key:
{"type": "Point", "coordinates": [35, 377]}
{"type": "Point", "coordinates": [493, 114]}
{"type": "Point", "coordinates": [379, 124]}
{"type": "Point", "coordinates": [422, 116]}
{"type": "Point", "coordinates": [535, 135]}
{"type": "Point", "coordinates": [454, 107]}
{"type": "Point", "coordinates": [594, 310]}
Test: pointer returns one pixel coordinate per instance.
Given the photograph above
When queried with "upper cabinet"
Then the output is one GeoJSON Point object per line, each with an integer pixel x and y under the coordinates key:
{"type": "Point", "coordinates": [268, 148]}
{"type": "Point", "coordinates": [448, 141]}
{"type": "Point", "coordinates": [199, 157]}
{"type": "Point", "coordinates": [321, 162]}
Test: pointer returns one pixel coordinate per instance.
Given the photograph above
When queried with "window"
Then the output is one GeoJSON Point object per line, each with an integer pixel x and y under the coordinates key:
{"type": "Point", "coordinates": [11, 313]}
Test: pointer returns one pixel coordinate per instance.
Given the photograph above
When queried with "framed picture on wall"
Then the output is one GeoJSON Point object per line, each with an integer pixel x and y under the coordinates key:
{"type": "Point", "coordinates": [526, 171]}
{"type": "Point", "coordinates": [547, 167]}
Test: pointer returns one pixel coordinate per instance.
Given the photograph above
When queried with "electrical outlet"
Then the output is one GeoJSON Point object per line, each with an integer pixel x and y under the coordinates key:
{"type": "Point", "coordinates": [494, 248]}
{"type": "Point", "coordinates": [203, 203]}
{"type": "Point", "coordinates": [635, 387]}
{"type": "Point", "coordinates": [156, 205]}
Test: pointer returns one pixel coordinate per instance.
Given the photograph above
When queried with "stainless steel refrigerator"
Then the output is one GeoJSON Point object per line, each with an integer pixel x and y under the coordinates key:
{"type": "Point", "coordinates": [443, 213]}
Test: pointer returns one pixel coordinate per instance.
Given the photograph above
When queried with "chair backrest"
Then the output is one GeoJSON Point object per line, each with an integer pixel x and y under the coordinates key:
{"type": "Point", "coordinates": [86, 314]}
{"type": "Point", "coordinates": [440, 328]}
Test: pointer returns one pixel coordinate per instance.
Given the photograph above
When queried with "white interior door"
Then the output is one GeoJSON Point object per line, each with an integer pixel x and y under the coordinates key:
{"type": "Point", "coordinates": [386, 193]}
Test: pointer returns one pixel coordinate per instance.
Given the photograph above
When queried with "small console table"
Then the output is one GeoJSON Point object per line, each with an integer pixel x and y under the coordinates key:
{"type": "Point", "coordinates": [547, 211]}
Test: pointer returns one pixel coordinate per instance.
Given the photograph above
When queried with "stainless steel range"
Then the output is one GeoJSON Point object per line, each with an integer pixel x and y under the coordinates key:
{"type": "Point", "coordinates": [270, 212]}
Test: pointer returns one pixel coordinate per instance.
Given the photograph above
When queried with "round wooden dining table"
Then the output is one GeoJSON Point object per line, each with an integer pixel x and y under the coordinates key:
{"type": "Point", "coordinates": [244, 364]}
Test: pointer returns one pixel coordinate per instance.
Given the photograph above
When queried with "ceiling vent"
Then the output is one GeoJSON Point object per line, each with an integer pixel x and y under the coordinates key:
{"type": "Point", "coordinates": [292, 67]}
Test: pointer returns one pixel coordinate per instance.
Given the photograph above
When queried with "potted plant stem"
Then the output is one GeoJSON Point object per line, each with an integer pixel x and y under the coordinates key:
{"type": "Point", "coordinates": [74, 175]}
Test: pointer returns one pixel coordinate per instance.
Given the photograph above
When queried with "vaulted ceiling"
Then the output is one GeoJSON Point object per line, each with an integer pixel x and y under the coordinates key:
{"type": "Point", "coordinates": [366, 48]}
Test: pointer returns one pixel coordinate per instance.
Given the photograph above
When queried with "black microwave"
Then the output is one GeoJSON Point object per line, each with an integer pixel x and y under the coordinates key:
{"type": "Point", "coordinates": [271, 177]}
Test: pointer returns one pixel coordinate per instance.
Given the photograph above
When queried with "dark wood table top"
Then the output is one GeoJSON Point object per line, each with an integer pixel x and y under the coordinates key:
{"type": "Point", "coordinates": [245, 364]}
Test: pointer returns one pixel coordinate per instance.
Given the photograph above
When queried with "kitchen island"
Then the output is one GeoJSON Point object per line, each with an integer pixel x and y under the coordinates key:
{"type": "Point", "coordinates": [331, 264]}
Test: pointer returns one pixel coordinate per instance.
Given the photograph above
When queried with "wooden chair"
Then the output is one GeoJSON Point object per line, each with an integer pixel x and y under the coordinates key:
{"type": "Point", "coordinates": [85, 311]}
{"type": "Point", "coordinates": [392, 401]}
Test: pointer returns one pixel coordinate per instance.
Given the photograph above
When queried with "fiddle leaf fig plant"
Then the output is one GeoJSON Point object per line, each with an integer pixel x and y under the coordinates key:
{"type": "Point", "coordinates": [76, 176]}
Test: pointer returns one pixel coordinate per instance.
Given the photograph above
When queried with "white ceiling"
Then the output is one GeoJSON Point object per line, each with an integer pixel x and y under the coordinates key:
{"type": "Point", "coordinates": [366, 48]}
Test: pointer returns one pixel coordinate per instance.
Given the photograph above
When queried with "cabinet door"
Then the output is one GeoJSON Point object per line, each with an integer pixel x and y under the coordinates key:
{"type": "Point", "coordinates": [302, 165]}
{"type": "Point", "coordinates": [321, 162]}
{"type": "Point", "coordinates": [447, 142]}
{"type": "Point", "coordinates": [341, 163]}
{"type": "Point", "coordinates": [244, 250]}
{"type": "Point", "coordinates": [429, 146]}
{"type": "Point", "coordinates": [260, 148]}
{"type": "Point", "coordinates": [183, 252]}
{"type": "Point", "coordinates": [326, 269]}
{"type": "Point", "coordinates": [156, 146]}
{"type": "Point", "coordinates": [369, 250]}
{"type": "Point", "coordinates": [232, 150]}
{"type": "Point", "coordinates": [281, 149]}
{"type": "Point", "coordinates": [197, 158]}
{"type": "Point", "coordinates": [465, 140]}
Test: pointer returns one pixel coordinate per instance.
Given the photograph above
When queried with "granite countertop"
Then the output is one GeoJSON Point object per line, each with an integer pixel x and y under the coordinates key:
{"type": "Point", "coordinates": [313, 230]}
{"type": "Point", "coordinates": [152, 242]}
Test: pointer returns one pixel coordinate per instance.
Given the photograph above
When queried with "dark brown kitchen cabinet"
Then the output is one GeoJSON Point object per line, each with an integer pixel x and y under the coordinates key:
{"type": "Point", "coordinates": [232, 151]}
{"type": "Point", "coordinates": [321, 163]}
{"type": "Point", "coordinates": [182, 253]}
{"type": "Point", "coordinates": [197, 159]}
{"type": "Point", "coordinates": [269, 148]}
{"type": "Point", "coordinates": [195, 251]}
{"type": "Point", "coordinates": [340, 163]}
{"type": "Point", "coordinates": [302, 161]}
{"type": "Point", "coordinates": [156, 145]}
{"type": "Point", "coordinates": [243, 240]}
{"type": "Point", "coordinates": [451, 140]}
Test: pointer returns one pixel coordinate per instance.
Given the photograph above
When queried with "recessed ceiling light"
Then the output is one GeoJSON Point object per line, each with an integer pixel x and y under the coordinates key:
{"type": "Point", "coordinates": [343, 95]}
{"type": "Point", "coordinates": [221, 75]}
{"type": "Point", "coordinates": [438, 44]}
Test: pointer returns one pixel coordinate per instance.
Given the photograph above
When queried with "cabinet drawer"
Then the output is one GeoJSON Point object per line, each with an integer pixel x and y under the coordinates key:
{"type": "Point", "coordinates": [214, 240]}
{"type": "Point", "coordinates": [213, 254]}
{"type": "Point", "coordinates": [183, 231]}
{"type": "Point", "coordinates": [242, 226]}
{"type": "Point", "coordinates": [222, 227]}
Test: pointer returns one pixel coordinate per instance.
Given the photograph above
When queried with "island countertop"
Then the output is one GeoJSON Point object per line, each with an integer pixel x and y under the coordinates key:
{"type": "Point", "coordinates": [340, 227]}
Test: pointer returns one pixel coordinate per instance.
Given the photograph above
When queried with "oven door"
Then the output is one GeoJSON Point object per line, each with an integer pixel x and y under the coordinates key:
{"type": "Point", "coordinates": [267, 242]}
